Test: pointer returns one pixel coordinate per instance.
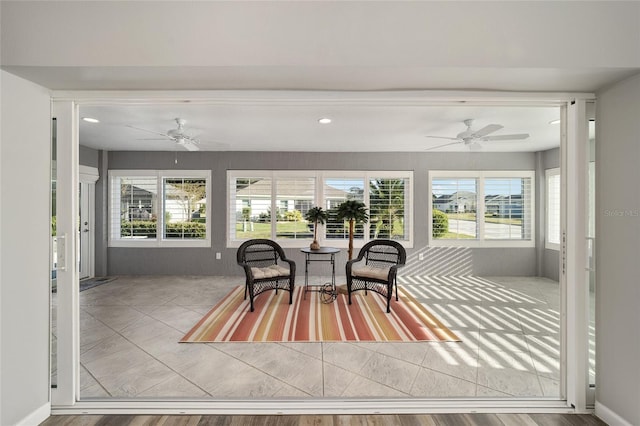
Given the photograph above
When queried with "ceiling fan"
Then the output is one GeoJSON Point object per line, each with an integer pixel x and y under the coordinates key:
{"type": "Point", "coordinates": [472, 137]}
{"type": "Point", "coordinates": [177, 135]}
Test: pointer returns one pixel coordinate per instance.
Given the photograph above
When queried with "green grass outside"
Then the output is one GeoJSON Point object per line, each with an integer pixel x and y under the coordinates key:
{"type": "Point", "coordinates": [455, 236]}
{"type": "Point", "coordinates": [487, 218]}
{"type": "Point", "coordinates": [263, 230]}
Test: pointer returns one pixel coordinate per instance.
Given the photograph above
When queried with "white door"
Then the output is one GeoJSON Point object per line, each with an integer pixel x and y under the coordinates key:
{"type": "Point", "coordinates": [86, 237]}
{"type": "Point", "coordinates": [83, 242]}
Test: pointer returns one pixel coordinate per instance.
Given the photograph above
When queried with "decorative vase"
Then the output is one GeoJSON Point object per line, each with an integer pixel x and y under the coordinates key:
{"type": "Point", "coordinates": [314, 245]}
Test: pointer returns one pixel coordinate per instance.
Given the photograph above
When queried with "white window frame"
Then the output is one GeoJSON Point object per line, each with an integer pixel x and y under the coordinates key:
{"type": "Point", "coordinates": [159, 241]}
{"type": "Point", "coordinates": [319, 176]}
{"type": "Point", "coordinates": [549, 173]}
{"type": "Point", "coordinates": [481, 175]}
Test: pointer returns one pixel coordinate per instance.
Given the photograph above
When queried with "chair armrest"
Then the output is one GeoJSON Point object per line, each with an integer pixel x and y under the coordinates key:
{"type": "Point", "coordinates": [393, 272]}
{"type": "Point", "coordinates": [292, 266]}
{"type": "Point", "coordinates": [247, 270]}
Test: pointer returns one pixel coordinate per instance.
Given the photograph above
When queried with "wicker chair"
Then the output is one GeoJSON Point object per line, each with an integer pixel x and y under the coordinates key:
{"type": "Point", "coordinates": [375, 269]}
{"type": "Point", "coordinates": [266, 268]}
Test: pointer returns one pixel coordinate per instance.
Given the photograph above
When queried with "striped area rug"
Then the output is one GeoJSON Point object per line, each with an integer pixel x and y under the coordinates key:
{"type": "Point", "coordinates": [310, 320]}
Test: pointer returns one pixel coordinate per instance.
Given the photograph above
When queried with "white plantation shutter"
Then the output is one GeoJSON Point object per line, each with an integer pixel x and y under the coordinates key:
{"type": "Point", "coordinates": [336, 191]}
{"type": "Point", "coordinates": [294, 197]}
{"type": "Point", "coordinates": [134, 204]}
{"type": "Point", "coordinates": [159, 208]}
{"type": "Point", "coordinates": [184, 208]}
{"type": "Point", "coordinates": [388, 206]}
{"type": "Point", "coordinates": [273, 204]}
{"type": "Point", "coordinates": [507, 208]}
{"type": "Point", "coordinates": [483, 208]}
{"type": "Point", "coordinates": [456, 197]}
{"type": "Point", "coordinates": [553, 208]}
{"type": "Point", "coordinates": [249, 207]}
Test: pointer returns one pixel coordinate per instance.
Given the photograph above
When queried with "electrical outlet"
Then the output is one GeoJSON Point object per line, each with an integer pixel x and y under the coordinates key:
{"type": "Point", "coordinates": [420, 256]}
{"type": "Point", "coordinates": [218, 256]}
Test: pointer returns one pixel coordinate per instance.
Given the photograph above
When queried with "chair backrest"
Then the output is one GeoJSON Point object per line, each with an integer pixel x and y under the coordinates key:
{"type": "Point", "coordinates": [259, 253]}
{"type": "Point", "coordinates": [383, 253]}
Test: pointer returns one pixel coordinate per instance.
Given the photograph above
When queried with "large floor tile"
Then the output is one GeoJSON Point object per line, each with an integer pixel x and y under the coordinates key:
{"type": "Point", "coordinates": [508, 326]}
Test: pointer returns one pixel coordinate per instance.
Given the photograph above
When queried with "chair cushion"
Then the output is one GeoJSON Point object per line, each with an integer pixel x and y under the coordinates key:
{"type": "Point", "coordinates": [368, 271]}
{"type": "Point", "coordinates": [271, 271]}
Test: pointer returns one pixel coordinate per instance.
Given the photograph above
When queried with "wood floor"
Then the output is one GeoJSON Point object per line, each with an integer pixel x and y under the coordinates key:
{"type": "Point", "coordinates": [335, 420]}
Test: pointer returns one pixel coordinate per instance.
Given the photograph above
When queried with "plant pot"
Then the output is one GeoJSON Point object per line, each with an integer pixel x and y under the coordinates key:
{"type": "Point", "coordinates": [314, 245]}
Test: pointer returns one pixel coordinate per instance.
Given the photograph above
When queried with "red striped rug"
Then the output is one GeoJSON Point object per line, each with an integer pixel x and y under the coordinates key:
{"type": "Point", "coordinates": [310, 320]}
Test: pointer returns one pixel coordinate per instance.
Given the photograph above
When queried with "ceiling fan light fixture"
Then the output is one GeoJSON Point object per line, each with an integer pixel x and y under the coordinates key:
{"type": "Point", "coordinates": [324, 120]}
{"type": "Point", "coordinates": [90, 120]}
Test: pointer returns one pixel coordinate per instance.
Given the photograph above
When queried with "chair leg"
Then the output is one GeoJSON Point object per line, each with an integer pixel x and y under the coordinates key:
{"type": "Point", "coordinates": [389, 303]}
{"type": "Point", "coordinates": [396, 284]}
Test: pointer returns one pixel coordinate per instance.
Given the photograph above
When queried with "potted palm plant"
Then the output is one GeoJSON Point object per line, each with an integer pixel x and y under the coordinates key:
{"type": "Point", "coordinates": [353, 211]}
{"type": "Point", "coordinates": [317, 216]}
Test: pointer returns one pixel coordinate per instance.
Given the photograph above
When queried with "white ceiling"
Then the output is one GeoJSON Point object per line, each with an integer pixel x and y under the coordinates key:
{"type": "Point", "coordinates": [365, 46]}
{"type": "Point", "coordinates": [278, 127]}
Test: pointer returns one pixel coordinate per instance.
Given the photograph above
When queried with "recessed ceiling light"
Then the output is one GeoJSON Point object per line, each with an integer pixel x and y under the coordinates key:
{"type": "Point", "coordinates": [324, 120]}
{"type": "Point", "coordinates": [90, 120]}
{"type": "Point", "coordinates": [557, 121]}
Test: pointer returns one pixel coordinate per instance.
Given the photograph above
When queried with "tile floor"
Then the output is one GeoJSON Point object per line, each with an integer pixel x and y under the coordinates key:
{"type": "Point", "coordinates": [509, 328]}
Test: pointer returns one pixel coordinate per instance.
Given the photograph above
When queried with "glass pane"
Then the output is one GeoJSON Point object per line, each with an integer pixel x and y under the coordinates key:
{"type": "Point", "coordinates": [506, 203]}
{"type": "Point", "coordinates": [387, 208]}
{"type": "Point", "coordinates": [591, 242]}
{"type": "Point", "coordinates": [455, 202]}
{"type": "Point", "coordinates": [252, 208]}
{"type": "Point", "coordinates": [336, 191]}
{"type": "Point", "coordinates": [54, 259]}
{"type": "Point", "coordinates": [138, 207]}
{"type": "Point", "coordinates": [294, 197]}
{"type": "Point", "coordinates": [185, 208]}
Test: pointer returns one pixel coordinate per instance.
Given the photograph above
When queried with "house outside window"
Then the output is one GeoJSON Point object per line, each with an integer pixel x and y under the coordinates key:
{"type": "Point", "coordinates": [482, 208]}
{"type": "Point", "coordinates": [159, 208]}
{"type": "Point", "coordinates": [273, 204]}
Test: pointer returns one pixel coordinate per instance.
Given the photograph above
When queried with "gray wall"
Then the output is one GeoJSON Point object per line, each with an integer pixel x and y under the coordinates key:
{"type": "Point", "coordinates": [201, 261]}
{"type": "Point", "coordinates": [88, 156]}
{"type": "Point", "coordinates": [618, 245]}
{"type": "Point", "coordinates": [25, 234]}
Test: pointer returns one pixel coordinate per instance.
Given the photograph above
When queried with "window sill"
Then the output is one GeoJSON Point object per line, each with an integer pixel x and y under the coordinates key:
{"type": "Point", "coordinates": [482, 243]}
{"type": "Point", "coordinates": [159, 244]}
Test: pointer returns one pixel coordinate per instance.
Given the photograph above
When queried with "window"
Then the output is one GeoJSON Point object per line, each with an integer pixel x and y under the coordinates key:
{"type": "Point", "coordinates": [387, 204]}
{"type": "Point", "coordinates": [482, 208]}
{"type": "Point", "coordinates": [273, 204]}
{"type": "Point", "coordinates": [552, 240]}
{"type": "Point", "coordinates": [159, 208]}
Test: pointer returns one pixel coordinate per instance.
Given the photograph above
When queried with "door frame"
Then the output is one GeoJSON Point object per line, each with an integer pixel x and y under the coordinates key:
{"type": "Point", "coordinates": [573, 354]}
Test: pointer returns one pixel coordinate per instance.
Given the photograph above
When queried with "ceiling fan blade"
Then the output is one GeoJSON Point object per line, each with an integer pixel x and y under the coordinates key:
{"type": "Point", "coordinates": [149, 131]}
{"type": "Point", "coordinates": [152, 139]}
{"type": "Point", "coordinates": [442, 146]}
{"type": "Point", "coordinates": [442, 137]}
{"type": "Point", "coordinates": [486, 130]}
{"type": "Point", "coordinates": [219, 145]}
{"type": "Point", "coordinates": [188, 145]}
{"type": "Point", "coordinates": [518, 136]}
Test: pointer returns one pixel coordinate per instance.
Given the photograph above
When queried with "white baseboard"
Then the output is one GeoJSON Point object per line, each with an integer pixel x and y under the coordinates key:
{"type": "Point", "coordinates": [37, 416]}
{"type": "Point", "coordinates": [609, 416]}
